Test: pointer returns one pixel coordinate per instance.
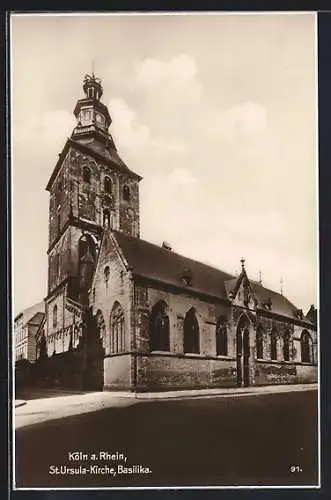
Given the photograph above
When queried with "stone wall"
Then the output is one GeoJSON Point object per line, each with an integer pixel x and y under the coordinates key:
{"type": "Point", "coordinates": [159, 372]}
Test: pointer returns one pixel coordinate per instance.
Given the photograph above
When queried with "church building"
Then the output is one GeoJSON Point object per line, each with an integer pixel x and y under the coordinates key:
{"type": "Point", "coordinates": [126, 314]}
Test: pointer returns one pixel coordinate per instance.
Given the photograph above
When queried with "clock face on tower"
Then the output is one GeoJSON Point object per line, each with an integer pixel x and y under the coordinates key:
{"type": "Point", "coordinates": [99, 119]}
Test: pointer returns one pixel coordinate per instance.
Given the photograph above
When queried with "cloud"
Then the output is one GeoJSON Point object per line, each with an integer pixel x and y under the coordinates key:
{"type": "Point", "coordinates": [176, 76]}
{"type": "Point", "coordinates": [249, 118]}
{"type": "Point", "coordinates": [127, 129]}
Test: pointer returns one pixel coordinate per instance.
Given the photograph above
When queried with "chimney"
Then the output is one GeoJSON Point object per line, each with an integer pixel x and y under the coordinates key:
{"type": "Point", "coordinates": [166, 246]}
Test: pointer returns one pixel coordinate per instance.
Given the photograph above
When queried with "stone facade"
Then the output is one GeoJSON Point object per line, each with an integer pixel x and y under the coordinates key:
{"type": "Point", "coordinates": [131, 315]}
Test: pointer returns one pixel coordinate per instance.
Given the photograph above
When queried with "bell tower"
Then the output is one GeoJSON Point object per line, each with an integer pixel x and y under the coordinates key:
{"type": "Point", "coordinates": [91, 188]}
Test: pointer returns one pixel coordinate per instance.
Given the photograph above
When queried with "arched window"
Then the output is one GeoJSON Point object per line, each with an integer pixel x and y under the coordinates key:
{"type": "Point", "coordinates": [106, 218]}
{"type": "Point", "coordinates": [306, 347]}
{"type": "Point", "coordinates": [106, 273]}
{"type": "Point", "coordinates": [221, 338]}
{"type": "Point", "coordinates": [273, 344]}
{"type": "Point", "coordinates": [117, 333]}
{"type": "Point", "coordinates": [286, 346]}
{"type": "Point", "coordinates": [55, 316]}
{"type": "Point", "coordinates": [86, 264]}
{"type": "Point", "coordinates": [191, 333]}
{"type": "Point", "coordinates": [107, 185]}
{"type": "Point", "coordinates": [259, 342]}
{"type": "Point", "coordinates": [159, 331]}
{"type": "Point", "coordinates": [100, 325]}
{"type": "Point", "coordinates": [126, 193]}
{"type": "Point", "coordinates": [86, 174]}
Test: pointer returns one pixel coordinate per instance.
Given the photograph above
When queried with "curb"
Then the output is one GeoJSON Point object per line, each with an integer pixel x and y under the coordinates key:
{"type": "Point", "coordinates": [21, 403]}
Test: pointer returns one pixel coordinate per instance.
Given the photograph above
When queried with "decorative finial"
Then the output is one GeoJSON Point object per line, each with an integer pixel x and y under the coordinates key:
{"type": "Point", "coordinates": [92, 87]}
{"type": "Point", "coordinates": [281, 286]}
{"type": "Point", "coordinates": [242, 260]}
{"type": "Point", "coordinates": [260, 277]}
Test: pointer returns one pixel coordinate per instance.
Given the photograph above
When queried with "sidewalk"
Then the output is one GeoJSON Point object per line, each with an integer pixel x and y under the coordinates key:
{"type": "Point", "coordinates": [35, 411]}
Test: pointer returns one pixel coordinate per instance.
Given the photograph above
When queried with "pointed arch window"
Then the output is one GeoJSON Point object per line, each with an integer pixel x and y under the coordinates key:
{"type": "Point", "coordinates": [126, 193]}
{"type": "Point", "coordinates": [117, 332]}
{"type": "Point", "coordinates": [101, 327]}
{"type": "Point", "coordinates": [55, 316]}
{"type": "Point", "coordinates": [259, 342]}
{"type": "Point", "coordinates": [221, 338]}
{"type": "Point", "coordinates": [159, 331]}
{"type": "Point", "coordinates": [191, 333]}
{"type": "Point", "coordinates": [286, 346]}
{"type": "Point", "coordinates": [86, 174]}
{"type": "Point", "coordinates": [273, 344]}
{"type": "Point", "coordinates": [106, 218]}
{"type": "Point", "coordinates": [306, 347]}
{"type": "Point", "coordinates": [107, 185]}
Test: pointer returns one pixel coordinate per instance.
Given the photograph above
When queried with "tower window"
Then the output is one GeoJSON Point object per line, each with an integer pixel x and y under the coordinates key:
{"type": "Point", "coordinates": [106, 218]}
{"type": "Point", "coordinates": [86, 175]}
{"type": "Point", "coordinates": [107, 185]}
{"type": "Point", "coordinates": [55, 316]}
{"type": "Point", "coordinates": [126, 193]}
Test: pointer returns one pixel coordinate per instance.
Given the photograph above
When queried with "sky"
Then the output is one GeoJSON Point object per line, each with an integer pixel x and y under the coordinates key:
{"type": "Point", "coordinates": [216, 112]}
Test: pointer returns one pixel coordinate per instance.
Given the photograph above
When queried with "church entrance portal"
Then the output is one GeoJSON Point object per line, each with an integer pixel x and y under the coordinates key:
{"type": "Point", "coordinates": [243, 348]}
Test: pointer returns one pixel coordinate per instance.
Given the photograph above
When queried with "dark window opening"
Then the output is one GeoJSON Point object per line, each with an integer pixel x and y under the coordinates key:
{"type": "Point", "coordinates": [107, 185]}
{"type": "Point", "coordinates": [126, 193]}
{"type": "Point", "coordinates": [191, 333]}
{"type": "Point", "coordinates": [259, 343]}
{"type": "Point", "coordinates": [221, 338]}
{"type": "Point", "coordinates": [273, 346]}
{"type": "Point", "coordinates": [159, 330]}
{"type": "Point", "coordinates": [55, 316]}
{"type": "Point", "coordinates": [306, 347]}
{"type": "Point", "coordinates": [286, 346]}
{"type": "Point", "coordinates": [86, 175]}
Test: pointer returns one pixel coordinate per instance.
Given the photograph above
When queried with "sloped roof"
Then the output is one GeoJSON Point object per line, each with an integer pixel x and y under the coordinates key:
{"type": "Point", "coordinates": [158, 263]}
{"type": "Point", "coordinates": [29, 312]}
{"type": "Point", "coordinates": [280, 304]}
{"type": "Point", "coordinates": [36, 319]}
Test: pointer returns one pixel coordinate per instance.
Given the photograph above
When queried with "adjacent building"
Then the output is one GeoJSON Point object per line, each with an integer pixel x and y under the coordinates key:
{"type": "Point", "coordinates": [27, 326]}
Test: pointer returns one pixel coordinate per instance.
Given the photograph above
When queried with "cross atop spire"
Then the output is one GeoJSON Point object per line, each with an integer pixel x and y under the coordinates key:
{"type": "Point", "coordinates": [242, 260]}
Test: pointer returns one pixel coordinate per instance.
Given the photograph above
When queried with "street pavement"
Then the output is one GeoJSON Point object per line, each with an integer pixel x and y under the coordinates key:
{"type": "Point", "coordinates": [34, 411]}
{"type": "Point", "coordinates": [259, 439]}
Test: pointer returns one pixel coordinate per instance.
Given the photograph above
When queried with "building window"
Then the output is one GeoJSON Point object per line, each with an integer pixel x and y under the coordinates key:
{"type": "Point", "coordinates": [107, 185]}
{"type": "Point", "coordinates": [286, 346]}
{"type": "Point", "coordinates": [306, 347]}
{"type": "Point", "coordinates": [126, 193]}
{"type": "Point", "coordinates": [55, 316]}
{"type": "Point", "coordinates": [273, 345]}
{"type": "Point", "coordinates": [159, 331]}
{"type": "Point", "coordinates": [259, 343]}
{"type": "Point", "coordinates": [106, 218]}
{"type": "Point", "coordinates": [191, 333]}
{"type": "Point", "coordinates": [106, 273]}
{"type": "Point", "coordinates": [117, 333]}
{"type": "Point", "coordinates": [86, 175]}
{"type": "Point", "coordinates": [221, 338]}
